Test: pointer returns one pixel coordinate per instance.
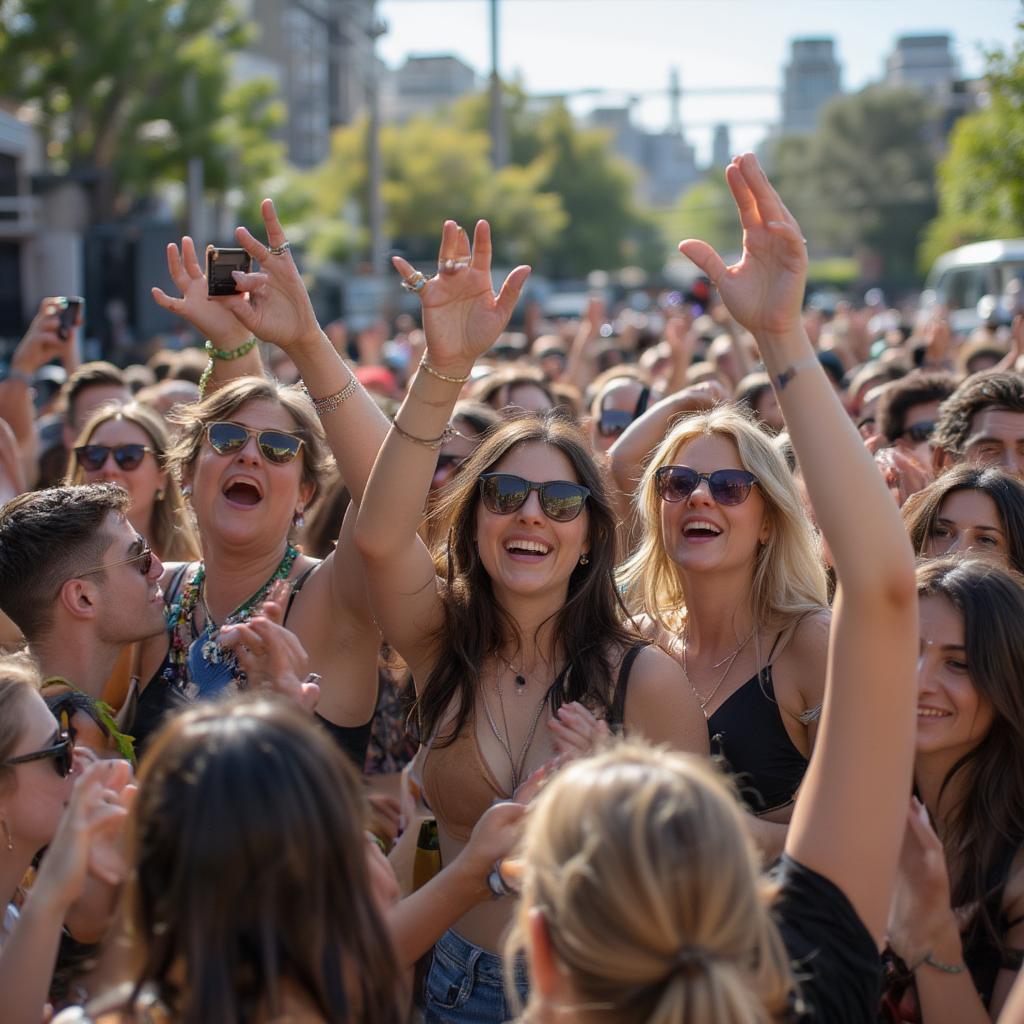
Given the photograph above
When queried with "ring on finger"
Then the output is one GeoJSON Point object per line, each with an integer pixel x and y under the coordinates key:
{"type": "Point", "coordinates": [415, 282]}
{"type": "Point", "coordinates": [452, 266]}
{"type": "Point", "coordinates": [279, 250]}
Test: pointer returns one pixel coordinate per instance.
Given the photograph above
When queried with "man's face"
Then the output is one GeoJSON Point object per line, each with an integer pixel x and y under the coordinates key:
{"type": "Point", "coordinates": [997, 439]}
{"type": "Point", "coordinates": [87, 402]}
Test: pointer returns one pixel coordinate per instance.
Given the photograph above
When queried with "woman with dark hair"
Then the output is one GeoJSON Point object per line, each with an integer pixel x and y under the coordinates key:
{"type": "Point", "coordinates": [128, 445]}
{"type": "Point", "coordinates": [251, 898]}
{"type": "Point", "coordinates": [957, 922]}
{"type": "Point", "coordinates": [251, 457]}
{"type": "Point", "coordinates": [512, 629]}
{"type": "Point", "coordinates": [969, 510]}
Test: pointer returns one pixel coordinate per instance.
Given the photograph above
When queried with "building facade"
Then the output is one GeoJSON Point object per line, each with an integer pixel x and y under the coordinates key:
{"type": "Point", "coordinates": [811, 78]}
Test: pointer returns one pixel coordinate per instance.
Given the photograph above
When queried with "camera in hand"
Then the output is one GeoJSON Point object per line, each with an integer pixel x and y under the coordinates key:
{"type": "Point", "coordinates": [70, 313]}
{"type": "Point", "coordinates": [220, 264]}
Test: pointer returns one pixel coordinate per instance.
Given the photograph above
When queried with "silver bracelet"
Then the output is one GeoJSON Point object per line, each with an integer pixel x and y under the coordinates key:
{"type": "Point", "coordinates": [322, 406]}
{"type": "Point", "coordinates": [433, 443]}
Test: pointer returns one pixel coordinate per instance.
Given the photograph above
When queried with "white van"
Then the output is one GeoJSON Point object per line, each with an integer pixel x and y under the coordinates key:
{"type": "Point", "coordinates": [962, 277]}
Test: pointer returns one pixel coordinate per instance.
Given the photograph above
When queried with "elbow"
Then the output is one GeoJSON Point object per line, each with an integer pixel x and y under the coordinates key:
{"type": "Point", "coordinates": [890, 582]}
{"type": "Point", "coordinates": [368, 540]}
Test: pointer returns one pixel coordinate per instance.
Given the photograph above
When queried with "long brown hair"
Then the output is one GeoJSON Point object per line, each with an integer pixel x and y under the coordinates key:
{"type": "Point", "coordinates": [989, 819]}
{"type": "Point", "coordinates": [589, 624]}
{"type": "Point", "coordinates": [251, 872]}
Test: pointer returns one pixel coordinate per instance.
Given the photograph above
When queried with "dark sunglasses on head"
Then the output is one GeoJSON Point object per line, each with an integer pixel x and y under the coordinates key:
{"type": "Point", "coordinates": [61, 752]}
{"type": "Point", "coordinates": [128, 456]}
{"type": "Point", "coordinates": [727, 486]}
{"type": "Point", "coordinates": [919, 432]}
{"type": "Point", "coordinates": [503, 494]}
{"type": "Point", "coordinates": [614, 421]}
{"type": "Point", "coordinates": [277, 446]}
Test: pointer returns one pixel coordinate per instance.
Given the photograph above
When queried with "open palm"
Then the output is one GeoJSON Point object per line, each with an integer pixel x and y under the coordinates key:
{"type": "Point", "coordinates": [764, 290]}
{"type": "Point", "coordinates": [462, 316]}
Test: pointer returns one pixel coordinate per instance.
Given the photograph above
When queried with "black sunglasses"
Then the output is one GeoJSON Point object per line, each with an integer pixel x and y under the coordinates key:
{"type": "Point", "coordinates": [727, 486]}
{"type": "Point", "coordinates": [128, 456]}
{"type": "Point", "coordinates": [503, 494]}
{"type": "Point", "coordinates": [613, 422]}
{"type": "Point", "coordinates": [61, 752]}
{"type": "Point", "coordinates": [919, 432]}
{"type": "Point", "coordinates": [277, 446]}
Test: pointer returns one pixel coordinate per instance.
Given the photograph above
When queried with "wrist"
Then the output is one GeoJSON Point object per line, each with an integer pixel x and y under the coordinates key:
{"type": "Point", "coordinates": [453, 368]}
{"type": "Point", "coordinates": [311, 344]}
{"type": "Point", "coordinates": [46, 898]}
{"type": "Point", "coordinates": [469, 880]}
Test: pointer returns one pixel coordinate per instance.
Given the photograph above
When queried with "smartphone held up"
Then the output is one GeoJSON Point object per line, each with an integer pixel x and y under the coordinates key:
{"type": "Point", "coordinates": [70, 309]}
{"type": "Point", "coordinates": [220, 265]}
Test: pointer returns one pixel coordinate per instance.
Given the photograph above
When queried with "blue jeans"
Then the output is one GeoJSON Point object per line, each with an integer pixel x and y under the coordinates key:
{"type": "Point", "coordinates": [466, 985]}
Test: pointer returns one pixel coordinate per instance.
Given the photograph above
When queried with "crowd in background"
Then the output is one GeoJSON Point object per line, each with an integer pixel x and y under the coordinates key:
{"type": "Point", "coordinates": [650, 666]}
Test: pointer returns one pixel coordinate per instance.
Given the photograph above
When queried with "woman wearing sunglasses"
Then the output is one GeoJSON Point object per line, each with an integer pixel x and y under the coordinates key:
{"type": "Point", "coordinates": [76, 818]}
{"type": "Point", "coordinates": [641, 900]}
{"type": "Point", "coordinates": [729, 577]}
{"type": "Point", "coordinates": [513, 630]}
{"type": "Point", "coordinates": [127, 445]}
{"type": "Point", "coordinates": [251, 457]}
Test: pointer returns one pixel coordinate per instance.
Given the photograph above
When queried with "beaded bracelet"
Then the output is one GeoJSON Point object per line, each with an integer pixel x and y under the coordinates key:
{"type": "Point", "coordinates": [225, 354]}
{"type": "Point", "coordinates": [322, 406]}
{"type": "Point", "coordinates": [424, 365]}
{"type": "Point", "coordinates": [945, 968]}
{"type": "Point", "coordinates": [433, 443]}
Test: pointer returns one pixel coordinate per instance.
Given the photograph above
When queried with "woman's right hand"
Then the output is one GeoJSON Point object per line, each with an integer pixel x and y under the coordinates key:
{"type": "Point", "coordinates": [462, 317]}
{"type": "Point", "coordinates": [493, 838]}
{"type": "Point", "coordinates": [209, 316]}
{"type": "Point", "coordinates": [764, 291]}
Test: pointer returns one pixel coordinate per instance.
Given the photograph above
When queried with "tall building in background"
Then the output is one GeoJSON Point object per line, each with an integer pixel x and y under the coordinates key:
{"type": "Point", "coordinates": [320, 52]}
{"type": "Point", "coordinates": [926, 63]}
{"type": "Point", "coordinates": [721, 146]}
{"type": "Point", "coordinates": [427, 83]}
{"type": "Point", "coordinates": [811, 79]}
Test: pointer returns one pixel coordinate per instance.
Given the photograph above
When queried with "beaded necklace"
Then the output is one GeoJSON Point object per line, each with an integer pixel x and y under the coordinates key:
{"type": "Point", "coordinates": [190, 652]}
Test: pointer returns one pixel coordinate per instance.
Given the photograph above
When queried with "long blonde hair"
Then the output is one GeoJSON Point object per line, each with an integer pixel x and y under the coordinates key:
{"type": "Point", "coordinates": [789, 573]}
{"type": "Point", "coordinates": [651, 891]}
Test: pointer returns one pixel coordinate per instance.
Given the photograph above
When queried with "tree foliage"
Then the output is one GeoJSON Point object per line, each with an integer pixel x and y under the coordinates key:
{"type": "Point", "coordinates": [706, 210]}
{"type": "Point", "coordinates": [864, 181]}
{"type": "Point", "coordinates": [125, 92]}
{"type": "Point", "coordinates": [981, 179]}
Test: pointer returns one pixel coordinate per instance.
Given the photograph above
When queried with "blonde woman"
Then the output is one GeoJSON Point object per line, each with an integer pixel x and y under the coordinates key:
{"type": "Point", "coordinates": [127, 445]}
{"type": "Point", "coordinates": [728, 576]}
{"type": "Point", "coordinates": [641, 900]}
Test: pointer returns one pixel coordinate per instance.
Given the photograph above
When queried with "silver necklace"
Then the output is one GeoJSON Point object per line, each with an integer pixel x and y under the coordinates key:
{"type": "Point", "coordinates": [730, 658]}
{"type": "Point", "coordinates": [516, 764]}
{"type": "Point", "coordinates": [517, 677]}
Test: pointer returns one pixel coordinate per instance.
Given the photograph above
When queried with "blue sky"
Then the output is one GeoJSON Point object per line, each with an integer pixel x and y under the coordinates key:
{"type": "Point", "coordinates": [629, 45]}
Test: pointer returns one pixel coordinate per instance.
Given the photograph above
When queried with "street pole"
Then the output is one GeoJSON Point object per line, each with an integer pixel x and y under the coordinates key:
{"type": "Point", "coordinates": [499, 150]}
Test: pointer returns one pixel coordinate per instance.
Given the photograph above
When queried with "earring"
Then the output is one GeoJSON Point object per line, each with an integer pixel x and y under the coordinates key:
{"type": "Point", "coordinates": [298, 519]}
{"type": "Point", "coordinates": [186, 491]}
{"type": "Point", "coordinates": [584, 558]}
{"type": "Point", "coordinates": [7, 835]}
{"type": "Point", "coordinates": [159, 496]}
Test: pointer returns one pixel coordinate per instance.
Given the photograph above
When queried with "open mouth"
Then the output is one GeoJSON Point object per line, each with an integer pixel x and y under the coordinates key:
{"type": "Point", "coordinates": [519, 547]}
{"type": "Point", "coordinates": [700, 529]}
{"type": "Point", "coordinates": [243, 492]}
{"type": "Point", "coordinates": [932, 713]}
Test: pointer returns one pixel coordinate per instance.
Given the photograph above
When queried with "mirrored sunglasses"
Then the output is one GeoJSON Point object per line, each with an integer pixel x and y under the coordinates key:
{"type": "Point", "coordinates": [62, 753]}
{"type": "Point", "coordinates": [276, 446]}
{"type": "Point", "coordinates": [503, 494]}
{"type": "Point", "coordinates": [93, 457]}
{"type": "Point", "coordinates": [727, 486]}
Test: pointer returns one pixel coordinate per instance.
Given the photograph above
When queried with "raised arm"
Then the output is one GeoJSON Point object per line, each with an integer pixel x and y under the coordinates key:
{"type": "Point", "coordinates": [849, 819]}
{"type": "Point", "coordinates": [462, 317]}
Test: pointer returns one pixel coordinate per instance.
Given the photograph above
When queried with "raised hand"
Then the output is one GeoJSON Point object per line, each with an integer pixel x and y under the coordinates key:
{"type": "Point", "coordinates": [209, 315]}
{"type": "Point", "coordinates": [42, 341]}
{"type": "Point", "coordinates": [278, 309]}
{"type": "Point", "coordinates": [577, 732]}
{"type": "Point", "coordinates": [462, 317]}
{"type": "Point", "coordinates": [764, 291]}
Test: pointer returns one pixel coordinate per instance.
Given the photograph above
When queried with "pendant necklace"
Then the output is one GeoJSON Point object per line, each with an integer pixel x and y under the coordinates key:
{"type": "Point", "coordinates": [729, 660]}
{"type": "Point", "coordinates": [517, 677]}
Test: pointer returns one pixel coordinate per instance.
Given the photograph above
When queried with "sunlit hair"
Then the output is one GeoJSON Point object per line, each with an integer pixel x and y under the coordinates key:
{"type": "Point", "coordinates": [316, 457]}
{"type": "Point", "coordinates": [989, 817]}
{"type": "Point", "coordinates": [475, 626]}
{"type": "Point", "coordinates": [170, 533]}
{"type": "Point", "coordinates": [789, 573]}
{"type": "Point", "coordinates": [19, 676]}
{"type": "Point", "coordinates": [921, 510]}
{"type": "Point", "coordinates": [250, 876]}
{"type": "Point", "coordinates": [641, 865]}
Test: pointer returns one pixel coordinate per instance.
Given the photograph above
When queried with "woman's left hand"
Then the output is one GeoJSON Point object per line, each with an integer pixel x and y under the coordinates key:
{"type": "Point", "coordinates": [278, 308]}
{"type": "Point", "coordinates": [764, 292]}
{"type": "Point", "coordinates": [920, 910]}
{"type": "Point", "coordinates": [577, 731]}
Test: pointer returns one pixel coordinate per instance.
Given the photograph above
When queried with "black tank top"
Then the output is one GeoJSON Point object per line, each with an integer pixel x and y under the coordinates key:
{"type": "Point", "coordinates": [162, 697]}
{"type": "Point", "coordinates": [748, 734]}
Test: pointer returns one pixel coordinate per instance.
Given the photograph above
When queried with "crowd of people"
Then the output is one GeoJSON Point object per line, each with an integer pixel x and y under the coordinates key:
{"type": "Point", "coordinates": [660, 668]}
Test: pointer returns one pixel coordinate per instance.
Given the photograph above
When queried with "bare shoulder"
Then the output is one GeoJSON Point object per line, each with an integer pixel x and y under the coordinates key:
{"type": "Point", "coordinates": [650, 629]}
{"type": "Point", "coordinates": [802, 660]}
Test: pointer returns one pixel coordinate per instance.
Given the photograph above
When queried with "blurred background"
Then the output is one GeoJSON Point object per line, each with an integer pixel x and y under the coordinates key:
{"type": "Point", "coordinates": [592, 133]}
